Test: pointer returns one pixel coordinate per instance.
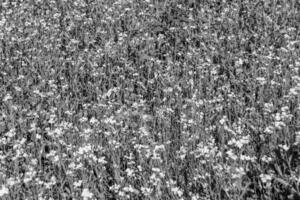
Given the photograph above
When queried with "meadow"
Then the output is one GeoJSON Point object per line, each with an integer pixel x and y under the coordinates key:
{"type": "Point", "coordinates": [150, 100]}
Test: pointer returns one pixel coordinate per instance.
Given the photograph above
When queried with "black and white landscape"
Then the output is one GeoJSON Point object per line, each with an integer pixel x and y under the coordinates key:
{"type": "Point", "coordinates": [149, 100]}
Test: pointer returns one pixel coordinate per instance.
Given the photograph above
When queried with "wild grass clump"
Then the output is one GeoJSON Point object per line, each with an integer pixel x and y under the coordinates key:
{"type": "Point", "coordinates": [150, 99]}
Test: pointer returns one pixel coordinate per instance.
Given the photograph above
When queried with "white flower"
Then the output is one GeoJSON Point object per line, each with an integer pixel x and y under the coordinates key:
{"type": "Point", "coordinates": [159, 147]}
{"type": "Point", "coordinates": [11, 133]}
{"type": "Point", "coordinates": [144, 131]}
{"type": "Point", "coordinates": [93, 120]}
{"type": "Point", "coordinates": [231, 154]}
{"type": "Point", "coordinates": [247, 158]}
{"type": "Point", "coordinates": [77, 184]}
{"type": "Point", "coordinates": [130, 189]}
{"type": "Point", "coordinates": [102, 160]}
{"type": "Point", "coordinates": [297, 138]}
{"type": "Point", "coordinates": [269, 130]}
{"type": "Point", "coordinates": [177, 191]}
{"type": "Point", "coordinates": [129, 172]}
{"type": "Point", "coordinates": [266, 159]}
{"type": "Point", "coordinates": [7, 97]}
{"type": "Point", "coordinates": [146, 191]}
{"type": "Point", "coordinates": [277, 117]}
{"type": "Point", "coordinates": [239, 172]}
{"type": "Point", "coordinates": [232, 141]}
{"type": "Point", "coordinates": [265, 178]}
{"type": "Point", "coordinates": [223, 120]}
{"type": "Point", "coordinates": [261, 80]}
{"type": "Point", "coordinates": [3, 191]}
{"type": "Point", "coordinates": [195, 197]}
{"type": "Point", "coordinates": [245, 140]}
{"type": "Point", "coordinates": [284, 147]}
{"type": "Point", "coordinates": [86, 194]}
{"type": "Point", "coordinates": [2, 22]}
{"type": "Point", "coordinates": [12, 181]}
{"type": "Point", "coordinates": [239, 144]}
{"type": "Point", "coordinates": [85, 150]}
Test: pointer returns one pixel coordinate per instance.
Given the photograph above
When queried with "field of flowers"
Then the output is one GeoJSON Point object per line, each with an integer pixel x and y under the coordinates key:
{"type": "Point", "coordinates": [150, 99]}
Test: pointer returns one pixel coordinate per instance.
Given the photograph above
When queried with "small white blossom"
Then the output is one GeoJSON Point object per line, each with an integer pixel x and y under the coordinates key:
{"type": "Point", "coordinates": [266, 159]}
{"type": "Point", "coordinates": [265, 178]}
{"type": "Point", "coordinates": [86, 194]}
{"type": "Point", "coordinates": [77, 184]}
{"type": "Point", "coordinates": [146, 191]}
{"type": "Point", "coordinates": [7, 97]}
{"type": "Point", "coordinates": [3, 191]}
{"type": "Point", "coordinates": [231, 154]}
{"type": "Point", "coordinates": [284, 147]}
{"type": "Point", "coordinates": [177, 191]}
{"type": "Point", "coordinates": [261, 80]}
{"type": "Point", "coordinates": [93, 120]}
{"type": "Point", "coordinates": [269, 130]}
{"type": "Point", "coordinates": [129, 172]}
{"type": "Point", "coordinates": [297, 138]}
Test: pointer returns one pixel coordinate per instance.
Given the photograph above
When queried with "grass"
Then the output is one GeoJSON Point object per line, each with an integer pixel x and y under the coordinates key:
{"type": "Point", "coordinates": [153, 99]}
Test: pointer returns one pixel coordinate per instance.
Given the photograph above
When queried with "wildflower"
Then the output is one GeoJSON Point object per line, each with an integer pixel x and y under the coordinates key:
{"type": "Point", "coordinates": [279, 124]}
{"type": "Point", "coordinates": [261, 80]}
{"type": "Point", "coordinates": [245, 139]}
{"type": "Point", "coordinates": [52, 119]}
{"type": "Point", "coordinates": [102, 160]}
{"type": "Point", "coordinates": [146, 117]}
{"type": "Point", "coordinates": [93, 120]}
{"type": "Point", "coordinates": [231, 154]}
{"type": "Point", "coordinates": [269, 130]}
{"type": "Point", "coordinates": [195, 197]}
{"type": "Point", "coordinates": [266, 159]}
{"type": "Point", "coordinates": [239, 143]}
{"type": "Point", "coordinates": [29, 176]}
{"type": "Point", "coordinates": [83, 119]}
{"type": "Point", "coordinates": [18, 89]}
{"type": "Point", "coordinates": [115, 187]}
{"type": "Point", "coordinates": [3, 191]}
{"type": "Point", "coordinates": [265, 178]}
{"type": "Point", "coordinates": [284, 147]}
{"type": "Point", "coordinates": [239, 62]}
{"type": "Point", "coordinates": [297, 138]}
{"type": "Point", "coordinates": [130, 189]}
{"type": "Point", "coordinates": [144, 131]}
{"type": "Point", "coordinates": [129, 172]}
{"type": "Point", "coordinates": [223, 120]}
{"type": "Point", "coordinates": [177, 191]}
{"type": "Point", "coordinates": [2, 22]}
{"type": "Point", "coordinates": [11, 133]}
{"type": "Point", "coordinates": [12, 182]}
{"type": "Point", "coordinates": [294, 91]}
{"type": "Point", "coordinates": [77, 184]}
{"type": "Point", "coordinates": [7, 97]}
{"type": "Point", "coordinates": [268, 107]}
{"type": "Point", "coordinates": [121, 193]}
{"type": "Point", "coordinates": [86, 194]}
{"type": "Point", "coordinates": [246, 158]}
{"type": "Point", "coordinates": [159, 147]}
{"type": "Point", "coordinates": [277, 117]}
{"type": "Point", "coordinates": [146, 191]}
{"type": "Point", "coordinates": [239, 172]}
{"type": "Point", "coordinates": [232, 141]}
{"type": "Point", "coordinates": [84, 150]}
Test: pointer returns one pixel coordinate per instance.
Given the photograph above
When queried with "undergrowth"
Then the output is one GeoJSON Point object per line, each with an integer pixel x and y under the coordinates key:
{"type": "Point", "coordinates": [150, 99]}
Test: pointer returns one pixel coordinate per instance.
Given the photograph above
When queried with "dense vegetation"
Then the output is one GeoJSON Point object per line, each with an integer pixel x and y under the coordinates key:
{"type": "Point", "coordinates": [150, 99]}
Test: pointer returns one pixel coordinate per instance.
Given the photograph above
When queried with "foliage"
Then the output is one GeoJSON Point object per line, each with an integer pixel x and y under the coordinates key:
{"type": "Point", "coordinates": [150, 99]}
